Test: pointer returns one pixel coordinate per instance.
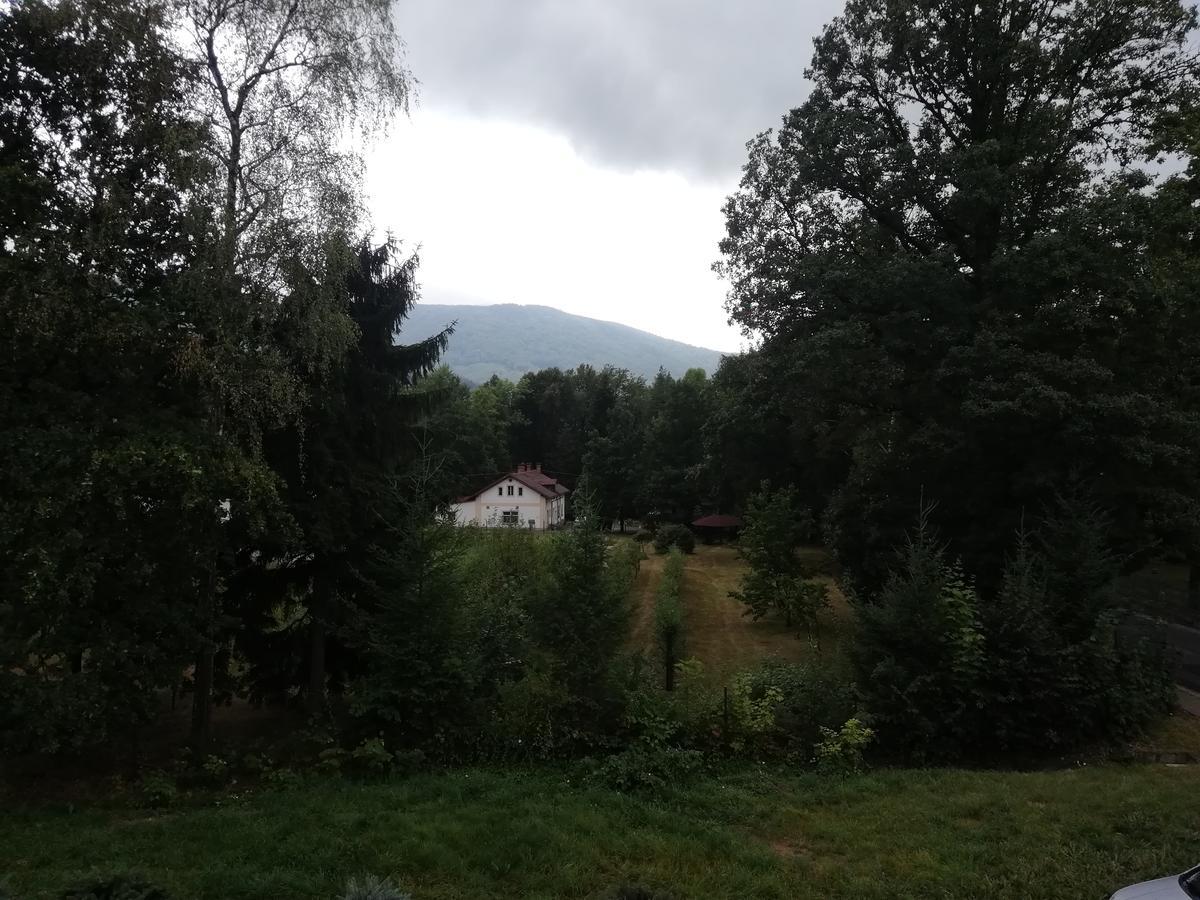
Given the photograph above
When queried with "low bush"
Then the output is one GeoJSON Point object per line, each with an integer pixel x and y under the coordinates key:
{"type": "Point", "coordinates": [803, 699]}
{"type": "Point", "coordinates": [668, 616]}
{"type": "Point", "coordinates": [669, 536]}
{"type": "Point", "coordinates": [645, 767]}
{"type": "Point", "coordinates": [158, 789]}
{"type": "Point", "coordinates": [371, 757]}
{"type": "Point", "coordinates": [840, 752]}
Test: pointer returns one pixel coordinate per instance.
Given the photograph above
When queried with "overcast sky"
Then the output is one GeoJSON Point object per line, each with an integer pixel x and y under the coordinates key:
{"type": "Point", "coordinates": [576, 153]}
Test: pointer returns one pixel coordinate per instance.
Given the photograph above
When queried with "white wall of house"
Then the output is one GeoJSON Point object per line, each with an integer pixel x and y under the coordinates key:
{"type": "Point", "coordinates": [508, 503]}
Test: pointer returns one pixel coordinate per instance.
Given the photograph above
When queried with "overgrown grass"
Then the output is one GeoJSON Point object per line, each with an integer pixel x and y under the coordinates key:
{"type": "Point", "coordinates": [474, 834]}
{"type": "Point", "coordinates": [725, 640]}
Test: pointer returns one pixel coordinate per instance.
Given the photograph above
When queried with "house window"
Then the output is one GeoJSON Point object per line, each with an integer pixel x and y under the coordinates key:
{"type": "Point", "coordinates": [510, 490]}
{"type": "Point", "coordinates": [499, 492]}
{"type": "Point", "coordinates": [520, 492]}
{"type": "Point", "coordinates": [509, 517]}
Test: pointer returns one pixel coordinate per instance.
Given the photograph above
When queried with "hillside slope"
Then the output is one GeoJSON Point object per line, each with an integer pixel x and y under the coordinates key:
{"type": "Point", "coordinates": [510, 339]}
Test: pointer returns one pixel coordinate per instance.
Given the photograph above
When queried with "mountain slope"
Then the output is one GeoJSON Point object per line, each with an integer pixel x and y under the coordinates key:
{"type": "Point", "coordinates": [510, 339]}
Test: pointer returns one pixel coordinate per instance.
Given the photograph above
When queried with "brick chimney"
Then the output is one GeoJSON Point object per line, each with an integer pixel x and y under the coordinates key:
{"type": "Point", "coordinates": [522, 467]}
{"type": "Point", "coordinates": [537, 467]}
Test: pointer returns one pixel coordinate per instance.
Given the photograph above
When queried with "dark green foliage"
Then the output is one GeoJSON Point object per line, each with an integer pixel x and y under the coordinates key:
{"type": "Point", "coordinates": [808, 698]}
{"type": "Point", "coordinates": [351, 447]}
{"type": "Point", "coordinates": [1040, 664]}
{"type": "Point", "coordinates": [119, 888]}
{"type": "Point", "coordinates": [921, 652]}
{"type": "Point", "coordinates": [584, 625]}
{"type": "Point", "coordinates": [119, 494]}
{"type": "Point", "coordinates": [1061, 669]}
{"type": "Point", "coordinates": [957, 284]}
{"type": "Point", "coordinates": [494, 643]}
{"type": "Point", "coordinates": [407, 623]}
{"type": "Point", "coordinates": [646, 768]}
{"type": "Point", "coordinates": [672, 463]}
{"type": "Point", "coordinates": [677, 536]}
{"type": "Point", "coordinates": [668, 616]}
{"type": "Point", "coordinates": [776, 580]}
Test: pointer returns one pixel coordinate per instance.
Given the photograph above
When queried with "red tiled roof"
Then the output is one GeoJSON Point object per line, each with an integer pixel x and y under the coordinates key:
{"type": "Point", "coordinates": [534, 479]}
{"type": "Point", "coordinates": [544, 485]}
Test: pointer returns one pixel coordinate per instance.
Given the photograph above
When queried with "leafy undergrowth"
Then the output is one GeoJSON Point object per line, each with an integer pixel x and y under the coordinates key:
{"type": "Point", "coordinates": [473, 834]}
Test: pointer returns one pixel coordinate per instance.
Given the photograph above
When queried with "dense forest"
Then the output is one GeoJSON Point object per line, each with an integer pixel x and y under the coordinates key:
{"type": "Point", "coordinates": [967, 262]}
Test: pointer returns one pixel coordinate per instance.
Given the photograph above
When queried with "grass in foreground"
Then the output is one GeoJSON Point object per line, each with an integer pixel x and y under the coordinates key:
{"type": "Point", "coordinates": [474, 834]}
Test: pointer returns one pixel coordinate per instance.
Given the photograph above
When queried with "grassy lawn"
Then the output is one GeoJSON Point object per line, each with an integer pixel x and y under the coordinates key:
{"type": "Point", "coordinates": [716, 630]}
{"type": "Point", "coordinates": [474, 834]}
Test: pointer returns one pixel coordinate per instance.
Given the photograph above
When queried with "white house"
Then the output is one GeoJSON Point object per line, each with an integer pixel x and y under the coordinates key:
{"type": "Point", "coordinates": [524, 498]}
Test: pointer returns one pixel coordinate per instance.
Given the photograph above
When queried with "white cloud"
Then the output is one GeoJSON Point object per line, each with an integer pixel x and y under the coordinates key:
{"type": "Point", "coordinates": [504, 212]}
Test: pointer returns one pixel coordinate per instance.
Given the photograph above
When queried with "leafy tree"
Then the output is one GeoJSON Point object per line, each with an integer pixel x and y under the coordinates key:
{"type": "Point", "coordinates": [407, 623]}
{"type": "Point", "coordinates": [757, 431]}
{"type": "Point", "coordinates": [342, 457]}
{"type": "Point", "coordinates": [116, 495]}
{"type": "Point", "coordinates": [613, 458]}
{"type": "Point", "coordinates": [673, 451]}
{"type": "Point", "coordinates": [282, 80]}
{"type": "Point", "coordinates": [775, 526]}
{"type": "Point", "coordinates": [583, 623]}
{"type": "Point", "coordinates": [674, 537]}
{"type": "Point", "coordinates": [920, 652]}
{"type": "Point", "coordinates": [945, 249]}
{"type": "Point", "coordinates": [1042, 663]}
{"type": "Point", "coordinates": [281, 83]}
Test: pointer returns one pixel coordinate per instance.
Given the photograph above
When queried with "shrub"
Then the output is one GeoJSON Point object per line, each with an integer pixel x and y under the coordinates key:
{"type": "Point", "coordinates": [621, 568]}
{"type": "Point", "coordinates": [643, 536]}
{"type": "Point", "coordinates": [668, 616]}
{"type": "Point", "coordinates": [158, 789]}
{"type": "Point", "coordinates": [669, 536]}
{"type": "Point", "coordinates": [284, 778]}
{"type": "Point", "coordinates": [372, 757]}
{"type": "Point", "coordinates": [119, 888]}
{"type": "Point", "coordinates": [372, 887]}
{"type": "Point", "coordinates": [920, 653]}
{"type": "Point", "coordinates": [644, 767]}
{"type": "Point", "coordinates": [1041, 666]}
{"type": "Point", "coordinates": [530, 715]}
{"type": "Point", "coordinates": [840, 752]}
{"type": "Point", "coordinates": [214, 770]}
{"type": "Point", "coordinates": [777, 579]}
{"type": "Point", "coordinates": [801, 699]}
{"type": "Point", "coordinates": [331, 760]}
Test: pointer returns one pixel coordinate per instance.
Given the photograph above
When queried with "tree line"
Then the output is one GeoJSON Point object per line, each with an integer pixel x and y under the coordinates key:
{"type": "Point", "coordinates": [967, 263]}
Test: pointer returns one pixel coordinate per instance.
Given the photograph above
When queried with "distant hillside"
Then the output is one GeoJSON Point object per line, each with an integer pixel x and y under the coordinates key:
{"type": "Point", "coordinates": [509, 340]}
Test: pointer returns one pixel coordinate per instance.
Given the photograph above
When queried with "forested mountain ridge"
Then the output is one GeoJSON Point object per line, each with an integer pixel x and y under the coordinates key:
{"type": "Point", "coordinates": [510, 339]}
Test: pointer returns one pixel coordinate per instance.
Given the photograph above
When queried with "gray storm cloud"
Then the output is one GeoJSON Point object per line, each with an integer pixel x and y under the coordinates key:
{"type": "Point", "coordinates": [662, 84]}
